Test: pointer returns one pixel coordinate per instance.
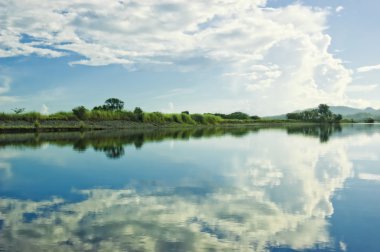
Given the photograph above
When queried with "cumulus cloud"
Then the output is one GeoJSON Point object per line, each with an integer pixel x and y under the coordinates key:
{"type": "Point", "coordinates": [281, 51]}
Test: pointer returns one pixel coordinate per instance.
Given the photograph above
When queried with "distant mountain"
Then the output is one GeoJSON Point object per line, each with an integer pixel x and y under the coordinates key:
{"type": "Point", "coordinates": [347, 113]}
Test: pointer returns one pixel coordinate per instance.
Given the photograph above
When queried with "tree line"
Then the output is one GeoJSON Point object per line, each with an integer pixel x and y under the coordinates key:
{"type": "Point", "coordinates": [322, 114]}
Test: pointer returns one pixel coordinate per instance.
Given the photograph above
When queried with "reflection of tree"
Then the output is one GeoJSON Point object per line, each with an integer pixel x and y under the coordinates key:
{"type": "Point", "coordinates": [113, 152]}
{"type": "Point", "coordinates": [323, 132]}
{"type": "Point", "coordinates": [80, 145]}
{"type": "Point", "coordinates": [81, 141]}
{"type": "Point", "coordinates": [112, 141]}
{"type": "Point", "coordinates": [139, 141]}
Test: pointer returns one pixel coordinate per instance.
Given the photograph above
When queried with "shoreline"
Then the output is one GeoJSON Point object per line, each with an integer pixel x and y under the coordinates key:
{"type": "Point", "coordinates": [78, 126]}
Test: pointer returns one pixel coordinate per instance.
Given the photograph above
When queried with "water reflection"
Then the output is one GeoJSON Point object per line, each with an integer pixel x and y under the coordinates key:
{"type": "Point", "coordinates": [323, 132]}
{"type": "Point", "coordinates": [112, 143]}
{"type": "Point", "coordinates": [259, 196]}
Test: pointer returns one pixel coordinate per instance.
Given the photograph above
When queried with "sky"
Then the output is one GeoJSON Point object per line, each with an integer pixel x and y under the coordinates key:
{"type": "Point", "coordinates": [262, 57]}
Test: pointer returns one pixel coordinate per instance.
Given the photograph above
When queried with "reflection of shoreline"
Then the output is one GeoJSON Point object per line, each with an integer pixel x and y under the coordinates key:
{"type": "Point", "coordinates": [107, 139]}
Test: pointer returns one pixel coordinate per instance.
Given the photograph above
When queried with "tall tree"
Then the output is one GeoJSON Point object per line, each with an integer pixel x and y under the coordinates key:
{"type": "Point", "coordinates": [113, 104]}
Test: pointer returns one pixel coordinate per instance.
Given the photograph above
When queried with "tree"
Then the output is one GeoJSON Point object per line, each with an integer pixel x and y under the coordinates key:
{"type": "Point", "coordinates": [369, 120]}
{"type": "Point", "coordinates": [320, 114]}
{"type": "Point", "coordinates": [113, 104]}
{"type": "Point", "coordinates": [185, 112]}
{"type": "Point", "coordinates": [338, 117]}
{"type": "Point", "coordinates": [18, 110]}
{"type": "Point", "coordinates": [323, 109]}
{"type": "Point", "coordinates": [138, 114]}
{"type": "Point", "coordinates": [80, 112]}
{"type": "Point", "coordinates": [238, 115]}
{"type": "Point", "coordinates": [255, 117]}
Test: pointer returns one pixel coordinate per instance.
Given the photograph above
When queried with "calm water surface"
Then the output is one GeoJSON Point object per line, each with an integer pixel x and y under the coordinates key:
{"type": "Point", "coordinates": [284, 189]}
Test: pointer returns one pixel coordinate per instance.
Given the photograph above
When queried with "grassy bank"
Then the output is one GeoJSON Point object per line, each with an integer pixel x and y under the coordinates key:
{"type": "Point", "coordinates": [101, 119]}
{"type": "Point", "coordinates": [22, 126]}
{"type": "Point", "coordinates": [113, 116]}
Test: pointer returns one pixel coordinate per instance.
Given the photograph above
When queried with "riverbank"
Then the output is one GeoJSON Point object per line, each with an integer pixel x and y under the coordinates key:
{"type": "Point", "coordinates": [21, 126]}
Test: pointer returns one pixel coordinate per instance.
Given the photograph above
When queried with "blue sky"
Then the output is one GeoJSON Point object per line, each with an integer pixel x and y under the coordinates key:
{"type": "Point", "coordinates": [260, 57]}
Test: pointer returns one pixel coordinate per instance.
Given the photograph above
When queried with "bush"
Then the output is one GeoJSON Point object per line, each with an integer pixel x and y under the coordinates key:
{"type": "Point", "coordinates": [32, 116]}
{"type": "Point", "coordinates": [65, 116]}
{"type": "Point", "coordinates": [155, 117]}
{"type": "Point", "coordinates": [139, 114]}
{"type": "Point", "coordinates": [177, 118]}
{"type": "Point", "coordinates": [211, 119]}
{"type": "Point", "coordinates": [36, 125]}
{"type": "Point", "coordinates": [80, 112]}
{"type": "Point", "coordinates": [186, 118]}
{"type": "Point", "coordinates": [369, 120]}
{"type": "Point", "coordinates": [198, 118]}
{"type": "Point", "coordinates": [168, 118]}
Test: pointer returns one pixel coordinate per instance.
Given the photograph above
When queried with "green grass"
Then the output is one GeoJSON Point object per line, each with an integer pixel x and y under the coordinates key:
{"type": "Point", "coordinates": [103, 115]}
{"type": "Point", "coordinates": [65, 119]}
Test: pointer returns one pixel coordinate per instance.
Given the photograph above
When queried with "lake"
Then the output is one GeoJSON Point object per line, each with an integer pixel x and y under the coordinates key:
{"type": "Point", "coordinates": [299, 188]}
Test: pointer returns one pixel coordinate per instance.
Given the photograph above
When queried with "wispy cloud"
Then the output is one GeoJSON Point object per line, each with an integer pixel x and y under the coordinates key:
{"type": "Point", "coordinates": [5, 85]}
{"type": "Point", "coordinates": [362, 88]}
{"type": "Point", "coordinates": [365, 69]}
{"type": "Point", "coordinates": [369, 176]}
{"type": "Point", "coordinates": [175, 92]}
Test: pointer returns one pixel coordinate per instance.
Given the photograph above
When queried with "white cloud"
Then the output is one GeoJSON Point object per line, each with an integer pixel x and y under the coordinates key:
{"type": "Point", "coordinates": [339, 8]}
{"type": "Point", "coordinates": [290, 43]}
{"type": "Point", "coordinates": [5, 85]}
{"type": "Point", "coordinates": [365, 69]}
{"type": "Point", "coordinates": [343, 246]}
{"type": "Point", "coordinates": [44, 109]}
{"type": "Point", "coordinates": [369, 176]}
{"type": "Point", "coordinates": [175, 92]}
{"type": "Point", "coordinates": [361, 88]}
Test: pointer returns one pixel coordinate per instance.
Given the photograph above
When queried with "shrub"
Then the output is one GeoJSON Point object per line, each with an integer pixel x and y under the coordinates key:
{"type": "Point", "coordinates": [177, 118]}
{"type": "Point", "coordinates": [211, 119]}
{"type": "Point", "coordinates": [36, 125]}
{"type": "Point", "coordinates": [139, 114]}
{"type": "Point", "coordinates": [186, 118]}
{"type": "Point", "coordinates": [198, 118]}
{"type": "Point", "coordinates": [168, 118]}
{"type": "Point", "coordinates": [62, 116]}
{"type": "Point", "coordinates": [370, 120]}
{"type": "Point", "coordinates": [154, 117]}
{"type": "Point", "coordinates": [80, 112]}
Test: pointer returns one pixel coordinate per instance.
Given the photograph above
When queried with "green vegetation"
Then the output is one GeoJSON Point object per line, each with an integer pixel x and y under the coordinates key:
{"type": "Point", "coordinates": [111, 104]}
{"type": "Point", "coordinates": [322, 114]}
{"type": "Point", "coordinates": [369, 120]}
{"type": "Point", "coordinates": [113, 115]}
{"type": "Point", "coordinates": [237, 116]}
{"type": "Point", "coordinates": [18, 110]}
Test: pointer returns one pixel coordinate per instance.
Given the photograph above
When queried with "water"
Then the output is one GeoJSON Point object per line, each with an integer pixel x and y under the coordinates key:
{"type": "Point", "coordinates": [257, 189]}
